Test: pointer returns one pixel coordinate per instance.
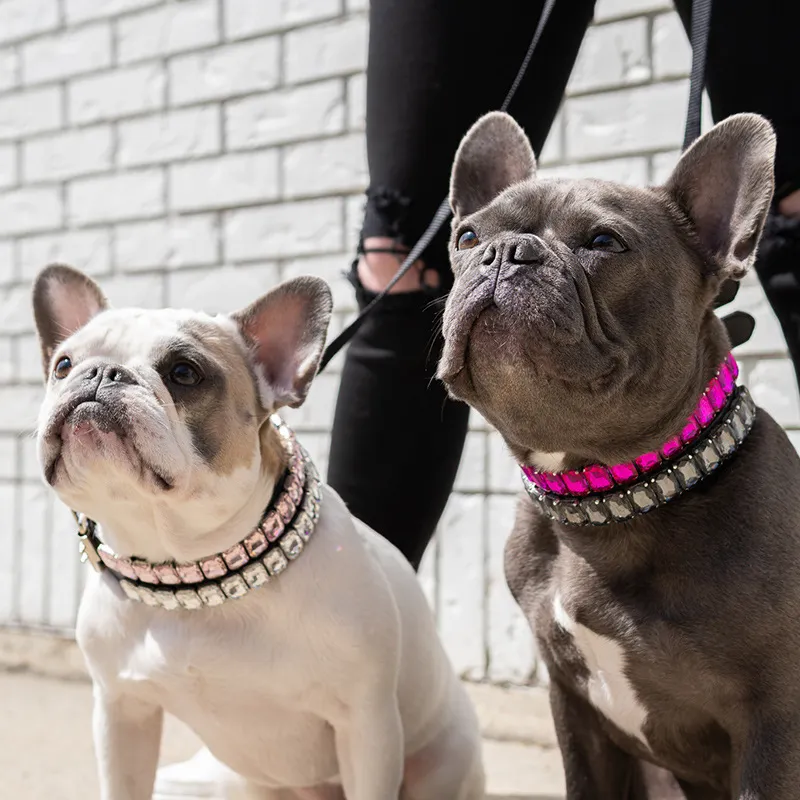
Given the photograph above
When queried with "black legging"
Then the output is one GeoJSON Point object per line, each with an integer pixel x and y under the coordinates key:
{"type": "Point", "coordinates": [434, 67]}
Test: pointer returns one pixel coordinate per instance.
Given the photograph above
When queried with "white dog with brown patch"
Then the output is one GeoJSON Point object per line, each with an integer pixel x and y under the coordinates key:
{"type": "Point", "coordinates": [232, 589]}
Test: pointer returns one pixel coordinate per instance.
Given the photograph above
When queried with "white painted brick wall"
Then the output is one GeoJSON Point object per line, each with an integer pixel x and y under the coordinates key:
{"type": "Point", "coordinates": [225, 71]}
{"type": "Point", "coordinates": [27, 112]}
{"type": "Point", "coordinates": [113, 198]}
{"type": "Point", "coordinates": [66, 54]}
{"type": "Point", "coordinates": [173, 136]}
{"type": "Point", "coordinates": [67, 155]}
{"type": "Point", "coordinates": [195, 152]}
{"type": "Point", "coordinates": [117, 93]}
{"type": "Point", "coordinates": [167, 29]}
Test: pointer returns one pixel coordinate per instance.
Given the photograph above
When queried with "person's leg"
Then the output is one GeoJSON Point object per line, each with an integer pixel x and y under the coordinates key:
{"type": "Point", "coordinates": [752, 67]}
{"type": "Point", "coordinates": [434, 67]}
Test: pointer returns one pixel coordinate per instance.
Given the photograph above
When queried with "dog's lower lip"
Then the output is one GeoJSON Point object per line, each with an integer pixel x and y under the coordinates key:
{"type": "Point", "coordinates": [50, 470]}
{"type": "Point", "coordinates": [162, 482]}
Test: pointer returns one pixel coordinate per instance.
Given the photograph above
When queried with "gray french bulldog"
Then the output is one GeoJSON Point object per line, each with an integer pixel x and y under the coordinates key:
{"type": "Point", "coordinates": [657, 554]}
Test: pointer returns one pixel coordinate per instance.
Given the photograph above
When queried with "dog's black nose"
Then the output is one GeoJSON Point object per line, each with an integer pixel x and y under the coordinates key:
{"type": "Point", "coordinates": [114, 373]}
{"type": "Point", "coordinates": [527, 250]}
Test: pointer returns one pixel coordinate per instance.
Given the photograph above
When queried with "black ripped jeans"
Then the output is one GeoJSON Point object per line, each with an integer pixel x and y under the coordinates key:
{"type": "Point", "coordinates": [434, 67]}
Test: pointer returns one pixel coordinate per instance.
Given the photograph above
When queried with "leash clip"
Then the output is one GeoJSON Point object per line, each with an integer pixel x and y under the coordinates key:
{"type": "Point", "coordinates": [86, 545]}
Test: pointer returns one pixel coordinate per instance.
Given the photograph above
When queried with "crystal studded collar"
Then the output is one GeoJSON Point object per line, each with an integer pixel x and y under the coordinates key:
{"type": "Point", "coordinates": [263, 554]}
{"type": "Point", "coordinates": [599, 494]}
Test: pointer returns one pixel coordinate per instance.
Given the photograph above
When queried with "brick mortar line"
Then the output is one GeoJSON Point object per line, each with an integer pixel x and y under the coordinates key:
{"type": "Point", "coordinates": [64, 26]}
{"type": "Point", "coordinates": [23, 88]}
{"type": "Point", "coordinates": [117, 167]}
{"type": "Point", "coordinates": [600, 91]}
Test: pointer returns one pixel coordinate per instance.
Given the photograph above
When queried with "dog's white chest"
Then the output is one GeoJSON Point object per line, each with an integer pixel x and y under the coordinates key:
{"type": "Point", "coordinates": [608, 687]}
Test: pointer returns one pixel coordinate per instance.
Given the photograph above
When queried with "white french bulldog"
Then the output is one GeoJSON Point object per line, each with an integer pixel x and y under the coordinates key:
{"type": "Point", "coordinates": [232, 589]}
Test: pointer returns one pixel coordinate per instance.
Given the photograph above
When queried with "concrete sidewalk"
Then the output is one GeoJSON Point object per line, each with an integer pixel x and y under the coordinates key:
{"type": "Point", "coordinates": [45, 730]}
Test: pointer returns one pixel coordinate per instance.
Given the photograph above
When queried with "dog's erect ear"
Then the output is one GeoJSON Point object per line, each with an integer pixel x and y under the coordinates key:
{"type": "Point", "coordinates": [724, 184]}
{"type": "Point", "coordinates": [286, 331]}
{"type": "Point", "coordinates": [493, 155]}
{"type": "Point", "coordinates": [64, 300]}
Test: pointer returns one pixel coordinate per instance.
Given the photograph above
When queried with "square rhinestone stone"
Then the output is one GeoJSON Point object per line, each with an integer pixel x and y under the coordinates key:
{"type": "Point", "coordinates": [312, 508]}
{"type": "Point", "coordinates": [688, 472]}
{"type": "Point", "coordinates": [737, 428]}
{"type": "Point", "coordinates": [285, 508]}
{"type": "Point", "coordinates": [619, 507]}
{"type": "Point", "coordinates": [648, 461]}
{"type": "Point", "coordinates": [275, 561]}
{"type": "Point", "coordinates": [190, 573]}
{"type": "Point", "coordinates": [130, 590]}
{"type": "Point", "coordinates": [552, 507]}
{"type": "Point", "coordinates": [272, 526]}
{"type": "Point", "coordinates": [707, 457]}
{"type": "Point", "coordinates": [256, 542]}
{"type": "Point", "coordinates": [292, 545]}
{"type": "Point", "coordinates": [624, 473]}
{"type": "Point", "coordinates": [211, 595]}
{"type": "Point", "coordinates": [598, 477]}
{"type": "Point", "coordinates": [107, 557]}
{"type": "Point", "coordinates": [716, 394]}
{"type": "Point", "coordinates": [724, 441]}
{"type": "Point", "coordinates": [704, 411]}
{"type": "Point", "coordinates": [166, 574]}
{"type": "Point", "coordinates": [573, 513]}
{"type": "Point", "coordinates": [555, 483]}
{"type": "Point", "coordinates": [235, 556]}
{"type": "Point", "coordinates": [189, 599]}
{"type": "Point", "coordinates": [304, 526]}
{"type": "Point", "coordinates": [255, 575]}
{"type": "Point", "coordinates": [148, 596]}
{"type": "Point", "coordinates": [643, 498]}
{"type": "Point", "coordinates": [294, 488]}
{"type": "Point", "coordinates": [746, 411]}
{"type": "Point", "coordinates": [234, 586]}
{"type": "Point", "coordinates": [125, 567]}
{"type": "Point", "coordinates": [595, 512]}
{"type": "Point", "coordinates": [166, 599]}
{"type": "Point", "coordinates": [145, 572]}
{"type": "Point", "coordinates": [666, 484]}
{"type": "Point", "coordinates": [213, 567]}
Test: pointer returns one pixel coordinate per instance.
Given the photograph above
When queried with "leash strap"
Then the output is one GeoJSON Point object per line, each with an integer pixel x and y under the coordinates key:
{"type": "Point", "coordinates": [442, 213]}
{"type": "Point", "coordinates": [701, 24]}
{"type": "Point", "coordinates": [701, 20]}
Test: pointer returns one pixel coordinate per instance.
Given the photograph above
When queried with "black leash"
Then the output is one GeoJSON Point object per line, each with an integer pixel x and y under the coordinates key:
{"type": "Point", "coordinates": [701, 24]}
{"type": "Point", "coordinates": [701, 19]}
{"type": "Point", "coordinates": [439, 218]}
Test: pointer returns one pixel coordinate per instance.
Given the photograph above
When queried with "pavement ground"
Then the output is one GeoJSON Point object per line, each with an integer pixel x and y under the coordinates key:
{"type": "Point", "coordinates": [46, 746]}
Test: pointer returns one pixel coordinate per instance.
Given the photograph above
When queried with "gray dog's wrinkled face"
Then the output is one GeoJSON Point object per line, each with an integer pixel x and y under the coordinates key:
{"type": "Point", "coordinates": [166, 403]}
{"type": "Point", "coordinates": [581, 316]}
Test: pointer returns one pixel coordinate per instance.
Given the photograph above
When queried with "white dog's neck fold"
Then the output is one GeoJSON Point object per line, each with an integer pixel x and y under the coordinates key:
{"type": "Point", "coordinates": [189, 525]}
{"type": "Point", "coordinates": [186, 530]}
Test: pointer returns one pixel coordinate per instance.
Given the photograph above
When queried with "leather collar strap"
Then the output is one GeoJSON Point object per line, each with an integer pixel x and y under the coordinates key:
{"type": "Point", "coordinates": [601, 478]}
{"type": "Point", "coordinates": [263, 554]}
{"type": "Point", "coordinates": [667, 479]}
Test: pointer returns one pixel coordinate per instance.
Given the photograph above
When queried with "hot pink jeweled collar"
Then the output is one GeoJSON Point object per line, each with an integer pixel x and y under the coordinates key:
{"type": "Point", "coordinates": [598, 494]}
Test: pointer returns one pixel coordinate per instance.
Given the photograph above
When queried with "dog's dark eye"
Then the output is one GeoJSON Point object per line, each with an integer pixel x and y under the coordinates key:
{"type": "Point", "coordinates": [184, 374]}
{"type": "Point", "coordinates": [467, 240]}
{"type": "Point", "coordinates": [607, 242]}
{"type": "Point", "coordinates": [63, 368]}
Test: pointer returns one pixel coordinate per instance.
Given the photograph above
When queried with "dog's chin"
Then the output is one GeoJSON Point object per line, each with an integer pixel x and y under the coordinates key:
{"type": "Point", "coordinates": [497, 339]}
{"type": "Point", "coordinates": [90, 445]}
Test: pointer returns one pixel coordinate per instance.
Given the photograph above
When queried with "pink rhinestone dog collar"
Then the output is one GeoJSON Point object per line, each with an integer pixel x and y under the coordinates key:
{"type": "Point", "coordinates": [279, 538]}
{"type": "Point", "coordinates": [599, 494]}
